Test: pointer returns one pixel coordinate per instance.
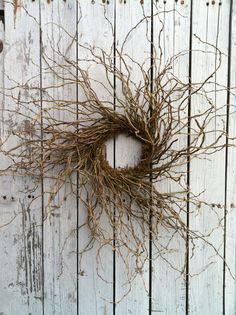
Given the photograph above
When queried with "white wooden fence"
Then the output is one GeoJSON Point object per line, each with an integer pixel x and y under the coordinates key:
{"type": "Point", "coordinates": [31, 279]}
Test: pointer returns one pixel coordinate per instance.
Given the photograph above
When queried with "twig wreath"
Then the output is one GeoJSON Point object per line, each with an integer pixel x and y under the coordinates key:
{"type": "Point", "coordinates": [154, 111]}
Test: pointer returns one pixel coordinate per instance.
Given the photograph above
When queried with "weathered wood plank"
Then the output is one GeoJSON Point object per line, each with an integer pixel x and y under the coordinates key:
{"type": "Point", "coordinates": [230, 257]}
{"type": "Point", "coordinates": [207, 174]}
{"type": "Point", "coordinates": [169, 268]}
{"type": "Point", "coordinates": [58, 25]}
{"type": "Point", "coordinates": [95, 274]}
{"type": "Point", "coordinates": [2, 48]}
{"type": "Point", "coordinates": [132, 294]}
{"type": "Point", "coordinates": [21, 240]}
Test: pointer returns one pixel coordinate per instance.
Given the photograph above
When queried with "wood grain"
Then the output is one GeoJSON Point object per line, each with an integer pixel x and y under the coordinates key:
{"type": "Point", "coordinates": [96, 274]}
{"type": "Point", "coordinates": [21, 286]}
{"type": "Point", "coordinates": [230, 231]}
{"type": "Point", "coordinates": [169, 273]}
{"type": "Point", "coordinates": [133, 297]}
{"type": "Point", "coordinates": [58, 19]}
{"type": "Point", "coordinates": [206, 175]}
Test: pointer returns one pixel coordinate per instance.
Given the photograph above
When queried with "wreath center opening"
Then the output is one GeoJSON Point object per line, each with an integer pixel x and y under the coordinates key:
{"type": "Point", "coordinates": [123, 151]}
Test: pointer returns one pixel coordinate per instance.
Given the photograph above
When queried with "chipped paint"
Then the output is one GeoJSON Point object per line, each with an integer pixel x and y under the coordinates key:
{"type": "Point", "coordinates": [29, 269]}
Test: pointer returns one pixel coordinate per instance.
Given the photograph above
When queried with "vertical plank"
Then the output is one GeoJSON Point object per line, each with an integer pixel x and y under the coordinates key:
{"type": "Point", "coordinates": [169, 268]}
{"type": "Point", "coordinates": [95, 275]}
{"type": "Point", "coordinates": [2, 47]}
{"type": "Point", "coordinates": [207, 174]}
{"type": "Point", "coordinates": [21, 239]}
{"type": "Point", "coordinates": [132, 294]}
{"type": "Point", "coordinates": [230, 245]}
{"type": "Point", "coordinates": [58, 25]}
